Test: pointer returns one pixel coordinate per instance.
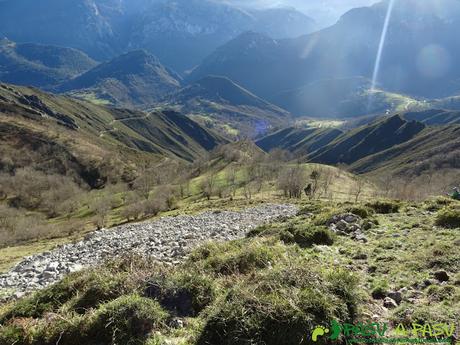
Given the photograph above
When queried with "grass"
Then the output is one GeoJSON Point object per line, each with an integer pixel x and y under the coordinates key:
{"type": "Point", "coordinates": [272, 287]}
{"type": "Point", "coordinates": [448, 217]}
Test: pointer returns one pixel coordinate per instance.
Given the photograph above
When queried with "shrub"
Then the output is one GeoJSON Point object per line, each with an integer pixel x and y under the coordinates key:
{"type": "Point", "coordinates": [438, 203]}
{"type": "Point", "coordinates": [362, 211]}
{"type": "Point", "coordinates": [384, 206]}
{"type": "Point", "coordinates": [441, 293]}
{"type": "Point", "coordinates": [379, 289]}
{"type": "Point", "coordinates": [308, 236]}
{"type": "Point", "coordinates": [126, 320]}
{"type": "Point", "coordinates": [279, 306]}
{"type": "Point", "coordinates": [237, 257]}
{"type": "Point", "coordinates": [183, 294]}
{"type": "Point", "coordinates": [448, 218]}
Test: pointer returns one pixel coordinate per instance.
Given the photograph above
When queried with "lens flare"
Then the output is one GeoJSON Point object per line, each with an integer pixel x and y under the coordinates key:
{"type": "Point", "coordinates": [383, 37]}
{"type": "Point", "coordinates": [378, 59]}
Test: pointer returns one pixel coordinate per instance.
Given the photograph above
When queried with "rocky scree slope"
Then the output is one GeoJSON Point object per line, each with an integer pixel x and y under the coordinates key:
{"type": "Point", "coordinates": [168, 240]}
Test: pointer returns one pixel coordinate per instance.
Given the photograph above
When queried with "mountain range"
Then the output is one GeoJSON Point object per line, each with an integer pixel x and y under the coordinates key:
{"type": "Point", "coordinates": [417, 58]}
{"type": "Point", "coordinates": [181, 32]}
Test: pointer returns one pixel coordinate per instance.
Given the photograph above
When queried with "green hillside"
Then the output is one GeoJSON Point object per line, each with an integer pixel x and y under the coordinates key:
{"type": "Point", "coordinates": [40, 65]}
{"type": "Point", "coordinates": [66, 162]}
{"type": "Point", "coordinates": [367, 140]}
{"type": "Point", "coordinates": [134, 79]}
{"type": "Point", "coordinates": [218, 103]}
{"type": "Point", "coordinates": [435, 148]}
{"type": "Point", "coordinates": [434, 117]}
{"type": "Point", "coordinates": [299, 141]}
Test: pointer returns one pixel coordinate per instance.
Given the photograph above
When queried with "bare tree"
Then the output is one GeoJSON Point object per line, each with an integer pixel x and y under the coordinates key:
{"type": "Point", "coordinates": [208, 185]}
{"type": "Point", "coordinates": [358, 188]}
{"type": "Point", "coordinates": [315, 177]}
{"type": "Point", "coordinates": [291, 181]}
{"type": "Point", "coordinates": [231, 176]}
{"type": "Point", "coordinates": [328, 179]}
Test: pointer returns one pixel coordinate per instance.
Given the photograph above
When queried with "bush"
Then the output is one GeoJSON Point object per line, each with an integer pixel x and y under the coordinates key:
{"type": "Point", "coordinates": [237, 257]}
{"type": "Point", "coordinates": [380, 289]}
{"type": "Point", "coordinates": [438, 203]}
{"type": "Point", "coordinates": [308, 236]}
{"type": "Point", "coordinates": [448, 218]}
{"type": "Point", "coordinates": [280, 306]}
{"type": "Point", "coordinates": [183, 294]}
{"type": "Point", "coordinates": [384, 207]}
{"type": "Point", "coordinates": [363, 211]}
{"type": "Point", "coordinates": [126, 320]}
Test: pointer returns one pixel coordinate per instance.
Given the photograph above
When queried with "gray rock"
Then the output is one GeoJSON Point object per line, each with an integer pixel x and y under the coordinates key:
{"type": "Point", "coordinates": [389, 303]}
{"type": "Point", "coordinates": [396, 296]}
{"type": "Point", "coordinates": [167, 239]}
{"type": "Point", "coordinates": [441, 276]}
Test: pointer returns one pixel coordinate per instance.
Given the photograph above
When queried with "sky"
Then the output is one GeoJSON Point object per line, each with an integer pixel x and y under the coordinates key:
{"type": "Point", "coordinates": [325, 12]}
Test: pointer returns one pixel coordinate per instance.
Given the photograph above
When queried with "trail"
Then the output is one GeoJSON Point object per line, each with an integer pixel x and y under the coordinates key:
{"type": "Point", "coordinates": [112, 123]}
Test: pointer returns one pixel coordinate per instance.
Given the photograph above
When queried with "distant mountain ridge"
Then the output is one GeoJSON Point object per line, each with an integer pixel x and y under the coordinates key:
{"type": "Point", "coordinates": [419, 31]}
{"type": "Point", "coordinates": [181, 32]}
{"type": "Point", "coordinates": [134, 79]}
{"type": "Point", "coordinates": [40, 65]}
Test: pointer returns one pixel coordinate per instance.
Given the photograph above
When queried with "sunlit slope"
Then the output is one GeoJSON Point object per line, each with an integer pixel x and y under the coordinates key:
{"type": "Point", "coordinates": [219, 103]}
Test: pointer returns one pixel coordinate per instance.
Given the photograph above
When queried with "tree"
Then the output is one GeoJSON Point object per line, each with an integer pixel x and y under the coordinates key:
{"type": "Point", "coordinates": [230, 177]}
{"type": "Point", "coordinates": [208, 185]}
{"type": "Point", "coordinates": [315, 176]}
{"type": "Point", "coordinates": [291, 180]}
{"type": "Point", "coordinates": [328, 178]}
{"type": "Point", "coordinates": [358, 188]}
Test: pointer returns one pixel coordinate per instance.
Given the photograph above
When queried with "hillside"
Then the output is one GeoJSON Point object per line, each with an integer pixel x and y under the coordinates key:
{"type": "Point", "coordinates": [432, 150]}
{"type": "Point", "coordinates": [344, 98]}
{"type": "Point", "coordinates": [434, 117]}
{"type": "Point", "coordinates": [80, 127]}
{"type": "Point", "coordinates": [272, 285]}
{"type": "Point", "coordinates": [40, 65]}
{"type": "Point", "coordinates": [367, 140]}
{"type": "Point", "coordinates": [298, 140]}
{"type": "Point", "coordinates": [132, 79]}
{"type": "Point", "coordinates": [218, 103]}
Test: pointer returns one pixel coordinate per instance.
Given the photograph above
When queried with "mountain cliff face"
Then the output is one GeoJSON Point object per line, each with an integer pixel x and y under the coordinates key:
{"type": "Point", "coordinates": [179, 32]}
